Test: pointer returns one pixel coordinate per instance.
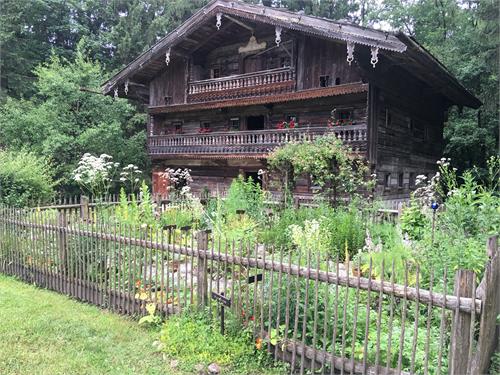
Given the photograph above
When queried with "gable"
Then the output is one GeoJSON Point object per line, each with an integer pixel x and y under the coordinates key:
{"type": "Point", "coordinates": [223, 21]}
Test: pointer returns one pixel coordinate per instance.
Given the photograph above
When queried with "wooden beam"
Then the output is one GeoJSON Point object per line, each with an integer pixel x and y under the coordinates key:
{"type": "Point", "coordinates": [241, 23]}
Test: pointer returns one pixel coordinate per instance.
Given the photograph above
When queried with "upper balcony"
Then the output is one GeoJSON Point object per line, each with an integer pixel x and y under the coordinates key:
{"type": "Point", "coordinates": [257, 143]}
{"type": "Point", "coordinates": [266, 82]}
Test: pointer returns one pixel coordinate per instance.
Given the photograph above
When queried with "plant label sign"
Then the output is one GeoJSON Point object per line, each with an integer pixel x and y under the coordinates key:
{"type": "Point", "coordinates": [254, 278]}
{"type": "Point", "coordinates": [221, 299]}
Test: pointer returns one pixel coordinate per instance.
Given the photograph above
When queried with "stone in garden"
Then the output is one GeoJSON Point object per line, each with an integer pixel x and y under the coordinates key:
{"type": "Point", "coordinates": [200, 369]}
{"type": "Point", "coordinates": [213, 368]}
{"type": "Point", "coordinates": [174, 363]}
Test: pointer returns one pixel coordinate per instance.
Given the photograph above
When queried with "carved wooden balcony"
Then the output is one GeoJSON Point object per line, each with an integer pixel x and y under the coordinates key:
{"type": "Point", "coordinates": [250, 143]}
{"type": "Point", "coordinates": [268, 82]}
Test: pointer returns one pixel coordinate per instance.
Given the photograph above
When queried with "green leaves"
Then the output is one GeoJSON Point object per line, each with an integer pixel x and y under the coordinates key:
{"type": "Point", "coordinates": [331, 165]}
{"type": "Point", "coordinates": [25, 178]}
{"type": "Point", "coordinates": [62, 122]}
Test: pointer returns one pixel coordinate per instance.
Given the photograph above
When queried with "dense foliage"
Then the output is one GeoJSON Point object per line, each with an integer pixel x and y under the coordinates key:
{"type": "Point", "coordinates": [332, 167]}
{"type": "Point", "coordinates": [62, 122]}
{"type": "Point", "coordinates": [196, 342]}
{"type": "Point", "coordinates": [25, 179]}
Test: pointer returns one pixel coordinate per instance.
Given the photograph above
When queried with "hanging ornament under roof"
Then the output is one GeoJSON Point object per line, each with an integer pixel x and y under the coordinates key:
{"type": "Point", "coordinates": [374, 54]}
{"type": "Point", "coordinates": [218, 23]}
{"type": "Point", "coordinates": [167, 56]}
{"type": "Point", "coordinates": [277, 32]}
{"type": "Point", "coordinates": [350, 52]}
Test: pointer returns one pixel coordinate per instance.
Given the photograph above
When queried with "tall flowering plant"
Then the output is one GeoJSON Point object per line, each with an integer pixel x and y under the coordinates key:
{"type": "Point", "coordinates": [129, 176]}
{"type": "Point", "coordinates": [95, 174]}
{"type": "Point", "coordinates": [179, 180]}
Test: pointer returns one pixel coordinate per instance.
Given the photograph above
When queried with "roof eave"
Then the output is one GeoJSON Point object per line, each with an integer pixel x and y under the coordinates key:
{"type": "Point", "coordinates": [467, 98]}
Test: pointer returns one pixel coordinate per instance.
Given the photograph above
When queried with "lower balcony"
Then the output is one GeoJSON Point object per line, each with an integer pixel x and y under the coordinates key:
{"type": "Point", "coordinates": [250, 143]}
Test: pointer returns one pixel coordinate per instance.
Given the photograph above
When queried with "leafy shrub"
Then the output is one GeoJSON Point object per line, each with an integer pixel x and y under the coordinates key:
{"type": "Point", "coordinates": [194, 341]}
{"type": "Point", "coordinates": [338, 228]}
{"type": "Point", "coordinates": [345, 230]}
{"type": "Point", "coordinates": [245, 195]}
{"type": "Point", "coordinates": [414, 222]}
{"type": "Point", "coordinates": [176, 216]}
{"type": "Point", "coordinates": [331, 164]}
{"type": "Point", "coordinates": [25, 178]}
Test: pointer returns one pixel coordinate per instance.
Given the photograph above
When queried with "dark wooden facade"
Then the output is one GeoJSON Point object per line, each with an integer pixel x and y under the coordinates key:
{"type": "Point", "coordinates": [218, 87]}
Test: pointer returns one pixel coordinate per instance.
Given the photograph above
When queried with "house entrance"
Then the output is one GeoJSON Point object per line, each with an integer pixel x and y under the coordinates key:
{"type": "Point", "coordinates": [255, 122]}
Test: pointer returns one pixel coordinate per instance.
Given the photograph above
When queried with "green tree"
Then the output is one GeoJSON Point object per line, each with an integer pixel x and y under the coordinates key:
{"type": "Point", "coordinates": [62, 122]}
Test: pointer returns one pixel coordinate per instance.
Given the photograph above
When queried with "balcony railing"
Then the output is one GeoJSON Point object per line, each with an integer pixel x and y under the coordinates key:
{"type": "Point", "coordinates": [261, 83]}
{"type": "Point", "coordinates": [251, 142]}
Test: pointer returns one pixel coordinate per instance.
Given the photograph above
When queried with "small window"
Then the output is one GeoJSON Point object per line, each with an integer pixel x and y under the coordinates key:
{"type": "Point", "coordinates": [177, 125]}
{"type": "Point", "coordinates": [388, 117]}
{"type": "Point", "coordinates": [204, 124]}
{"type": "Point", "coordinates": [344, 114]}
{"type": "Point", "coordinates": [387, 180]}
{"type": "Point", "coordinates": [400, 180]}
{"type": "Point", "coordinates": [285, 62]}
{"type": "Point", "coordinates": [215, 73]}
{"type": "Point", "coordinates": [324, 81]}
{"type": "Point", "coordinates": [234, 123]}
{"type": "Point", "coordinates": [411, 182]}
{"type": "Point", "coordinates": [409, 123]}
{"type": "Point", "coordinates": [337, 81]}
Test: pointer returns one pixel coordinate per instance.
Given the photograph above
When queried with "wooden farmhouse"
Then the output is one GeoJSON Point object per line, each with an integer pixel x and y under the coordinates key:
{"type": "Point", "coordinates": [237, 80]}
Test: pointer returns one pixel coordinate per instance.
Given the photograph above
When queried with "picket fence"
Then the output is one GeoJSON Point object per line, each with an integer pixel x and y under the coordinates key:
{"type": "Point", "coordinates": [323, 316]}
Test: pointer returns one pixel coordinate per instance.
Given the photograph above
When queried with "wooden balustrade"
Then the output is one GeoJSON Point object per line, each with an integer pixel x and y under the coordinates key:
{"type": "Point", "coordinates": [251, 142]}
{"type": "Point", "coordinates": [266, 82]}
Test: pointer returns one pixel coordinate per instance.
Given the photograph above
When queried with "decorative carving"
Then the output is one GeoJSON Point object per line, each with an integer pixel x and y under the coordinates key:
{"type": "Point", "coordinates": [115, 95]}
{"type": "Point", "coordinates": [219, 20]}
{"type": "Point", "coordinates": [126, 87]}
{"type": "Point", "coordinates": [374, 59]}
{"type": "Point", "coordinates": [350, 52]}
{"type": "Point", "coordinates": [278, 31]}
{"type": "Point", "coordinates": [167, 56]}
{"type": "Point", "coordinates": [252, 45]}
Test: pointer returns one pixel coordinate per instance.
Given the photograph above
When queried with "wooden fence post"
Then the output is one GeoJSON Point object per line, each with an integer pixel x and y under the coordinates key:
{"type": "Point", "coordinates": [459, 346]}
{"type": "Point", "coordinates": [62, 244]}
{"type": "Point", "coordinates": [84, 207]}
{"type": "Point", "coordinates": [202, 269]}
{"type": "Point", "coordinates": [489, 292]}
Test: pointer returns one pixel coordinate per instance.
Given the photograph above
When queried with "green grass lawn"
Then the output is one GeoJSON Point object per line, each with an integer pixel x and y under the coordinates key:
{"type": "Point", "coordinates": [42, 332]}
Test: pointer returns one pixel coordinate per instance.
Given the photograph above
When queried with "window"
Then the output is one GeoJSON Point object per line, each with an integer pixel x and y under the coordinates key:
{"type": "Point", "coordinates": [387, 180]}
{"type": "Point", "coordinates": [285, 62]}
{"type": "Point", "coordinates": [177, 125]}
{"type": "Point", "coordinates": [204, 124]}
{"type": "Point", "coordinates": [388, 117]}
{"type": "Point", "coordinates": [401, 180]}
{"type": "Point", "coordinates": [215, 73]}
{"type": "Point", "coordinates": [409, 123]}
{"type": "Point", "coordinates": [344, 114]}
{"type": "Point", "coordinates": [337, 81]}
{"type": "Point", "coordinates": [411, 182]}
{"type": "Point", "coordinates": [234, 123]}
{"type": "Point", "coordinates": [324, 81]}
